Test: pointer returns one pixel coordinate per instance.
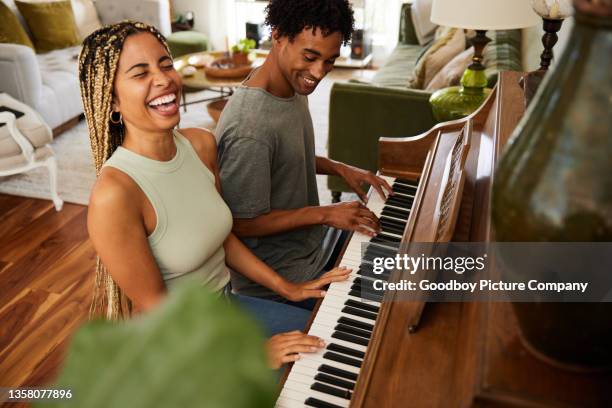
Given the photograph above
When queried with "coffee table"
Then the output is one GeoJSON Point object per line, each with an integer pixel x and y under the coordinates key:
{"type": "Point", "coordinates": [200, 81]}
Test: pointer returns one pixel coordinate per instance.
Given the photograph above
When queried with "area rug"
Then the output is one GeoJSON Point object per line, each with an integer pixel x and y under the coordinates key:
{"type": "Point", "coordinates": [76, 174]}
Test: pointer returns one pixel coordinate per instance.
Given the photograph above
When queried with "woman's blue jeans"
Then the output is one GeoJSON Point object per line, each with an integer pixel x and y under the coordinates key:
{"type": "Point", "coordinates": [273, 317]}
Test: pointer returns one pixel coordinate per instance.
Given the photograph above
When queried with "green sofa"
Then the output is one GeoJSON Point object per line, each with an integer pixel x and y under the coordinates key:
{"type": "Point", "coordinates": [361, 113]}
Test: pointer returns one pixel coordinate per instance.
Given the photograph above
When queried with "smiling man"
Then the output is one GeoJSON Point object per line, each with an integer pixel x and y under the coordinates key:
{"type": "Point", "coordinates": [266, 148]}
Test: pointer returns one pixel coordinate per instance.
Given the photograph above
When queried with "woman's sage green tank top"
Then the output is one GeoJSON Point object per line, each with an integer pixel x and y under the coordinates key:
{"type": "Point", "coordinates": [193, 221]}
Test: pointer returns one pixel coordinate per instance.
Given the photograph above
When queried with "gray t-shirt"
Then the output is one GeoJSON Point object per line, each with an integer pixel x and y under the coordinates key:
{"type": "Point", "coordinates": [267, 162]}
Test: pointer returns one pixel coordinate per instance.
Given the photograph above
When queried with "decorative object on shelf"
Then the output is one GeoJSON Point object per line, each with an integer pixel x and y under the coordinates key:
{"type": "Point", "coordinates": [240, 51]}
{"type": "Point", "coordinates": [553, 184]}
{"type": "Point", "coordinates": [227, 68]}
{"type": "Point", "coordinates": [480, 15]}
{"type": "Point", "coordinates": [553, 12]}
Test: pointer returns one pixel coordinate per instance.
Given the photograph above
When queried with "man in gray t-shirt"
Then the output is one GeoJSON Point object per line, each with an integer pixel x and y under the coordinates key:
{"type": "Point", "coordinates": [266, 147]}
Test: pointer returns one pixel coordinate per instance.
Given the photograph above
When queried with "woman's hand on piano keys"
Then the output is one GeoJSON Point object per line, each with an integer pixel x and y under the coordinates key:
{"type": "Point", "coordinates": [297, 292]}
{"type": "Point", "coordinates": [356, 178]}
{"type": "Point", "coordinates": [352, 216]}
{"type": "Point", "coordinates": [285, 347]}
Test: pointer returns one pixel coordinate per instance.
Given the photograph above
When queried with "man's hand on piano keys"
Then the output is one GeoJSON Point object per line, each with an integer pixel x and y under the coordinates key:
{"type": "Point", "coordinates": [285, 347]}
{"type": "Point", "coordinates": [297, 292]}
{"type": "Point", "coordinates": [356, 178]}
{"type": "Point", "coordinates": [352, 216]}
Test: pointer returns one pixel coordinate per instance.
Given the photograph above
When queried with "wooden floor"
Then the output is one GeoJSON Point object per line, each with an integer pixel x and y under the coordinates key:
{"type": "Point", "coordinates": [46, 280]}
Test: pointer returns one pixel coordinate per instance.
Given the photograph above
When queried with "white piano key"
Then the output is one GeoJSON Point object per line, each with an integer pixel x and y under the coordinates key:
{"type": "Point", "coordinates": [297, 388]}
{"type": "Point", "coordinates": [296, 391]}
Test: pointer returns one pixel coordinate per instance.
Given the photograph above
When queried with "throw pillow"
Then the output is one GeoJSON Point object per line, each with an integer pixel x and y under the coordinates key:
{"type": "Point", "coordinates": [451, 74]}
{"type": "Point", "coordinates": [421, 20]}
{"type": "Point", "coordinates": [85, 17]}
{"type": "Point", "coordinates": [51, 23]}
{"type": "Point", "coordinates": [11, 30]}
{"type": "Point", "coordinates": [449, 44]}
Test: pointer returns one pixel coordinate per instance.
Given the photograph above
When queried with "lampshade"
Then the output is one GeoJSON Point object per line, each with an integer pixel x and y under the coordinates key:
{"type": "Point", "coordinates": [484, 14]}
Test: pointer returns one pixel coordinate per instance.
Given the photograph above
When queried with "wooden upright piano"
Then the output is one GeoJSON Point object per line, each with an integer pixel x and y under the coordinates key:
{"type": "Point", "coordinates": [386, 353]}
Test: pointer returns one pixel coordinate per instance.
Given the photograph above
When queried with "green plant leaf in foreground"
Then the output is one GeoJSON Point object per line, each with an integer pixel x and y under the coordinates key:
{"type": "Point", "coordinates": [195, 350]}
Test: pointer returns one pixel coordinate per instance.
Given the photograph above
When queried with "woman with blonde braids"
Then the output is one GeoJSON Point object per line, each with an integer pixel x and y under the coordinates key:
{"type": "Point", "coordinates": [156, 217]}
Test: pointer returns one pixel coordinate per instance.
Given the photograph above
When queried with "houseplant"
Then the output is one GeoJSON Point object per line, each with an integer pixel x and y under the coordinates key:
{"type": "Point", "coordinates": [240, 51]}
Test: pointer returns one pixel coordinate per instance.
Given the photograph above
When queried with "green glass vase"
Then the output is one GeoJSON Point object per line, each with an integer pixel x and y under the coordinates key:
{"type": "Point", "coordinates": [554, 184]}
{"type": "Point", "coordinates": [457, 102]}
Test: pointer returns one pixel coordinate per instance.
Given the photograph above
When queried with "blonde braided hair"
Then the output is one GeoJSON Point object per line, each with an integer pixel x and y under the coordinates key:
{"type": "Point", "coordinates": [98, 63]}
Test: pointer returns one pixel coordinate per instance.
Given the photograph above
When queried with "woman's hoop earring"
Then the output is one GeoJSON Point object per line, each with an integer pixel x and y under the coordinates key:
{"type": "Point", "coordinates": [115, 121]}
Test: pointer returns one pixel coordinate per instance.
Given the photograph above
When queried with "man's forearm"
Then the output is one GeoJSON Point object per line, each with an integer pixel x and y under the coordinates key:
{"type": "Point", "coordinates": [327, 166]}
{"type": "Point", "coordinates": [279, 221]}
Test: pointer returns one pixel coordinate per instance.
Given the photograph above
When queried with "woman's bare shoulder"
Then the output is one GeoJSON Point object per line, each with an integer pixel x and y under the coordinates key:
{"type": "Point", "coordinates": [114, 190]}
{"type": "Point", "coordinates": [203, 142]}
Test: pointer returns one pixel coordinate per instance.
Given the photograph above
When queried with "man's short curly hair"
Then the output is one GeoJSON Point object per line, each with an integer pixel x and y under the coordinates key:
{"type": "Point", "coordinates": [291, 17]}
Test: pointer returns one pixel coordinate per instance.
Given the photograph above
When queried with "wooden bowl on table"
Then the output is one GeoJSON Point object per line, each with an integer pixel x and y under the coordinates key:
{"type": "Point", "coordinates": [226, 68]}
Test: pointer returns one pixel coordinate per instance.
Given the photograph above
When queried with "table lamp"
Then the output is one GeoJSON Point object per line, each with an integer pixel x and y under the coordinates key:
{"type": "Point", "coordinates": [481, 16]}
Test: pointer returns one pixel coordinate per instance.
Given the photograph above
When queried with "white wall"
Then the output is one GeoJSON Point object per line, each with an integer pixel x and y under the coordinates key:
{"type": "Point", "coordinates": [215, 18]}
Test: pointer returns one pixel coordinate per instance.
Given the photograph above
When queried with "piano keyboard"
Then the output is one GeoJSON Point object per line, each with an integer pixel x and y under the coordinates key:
{"type": "Point", "coordinates": [345, 320]}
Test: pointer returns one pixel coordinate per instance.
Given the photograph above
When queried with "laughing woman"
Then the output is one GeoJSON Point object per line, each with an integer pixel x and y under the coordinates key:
{"type": "Point", "coordinates": [156, 217]}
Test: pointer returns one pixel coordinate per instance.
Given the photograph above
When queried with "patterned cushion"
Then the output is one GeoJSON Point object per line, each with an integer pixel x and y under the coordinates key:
{"type": "Point", "coordinates": [503, 53]}
{"type": "Point", "coordinates": [398, 68]}
{"type": "Point", "coordinates": [450, 42]}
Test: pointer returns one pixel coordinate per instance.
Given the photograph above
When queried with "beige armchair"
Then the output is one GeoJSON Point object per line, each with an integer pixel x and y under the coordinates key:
{"type": "Point", "coordinates": [24, 143]}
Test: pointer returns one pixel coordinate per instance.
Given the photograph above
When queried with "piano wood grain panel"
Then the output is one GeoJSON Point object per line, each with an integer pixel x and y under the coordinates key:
{"type": "Point", "coordinates": [434, 366]}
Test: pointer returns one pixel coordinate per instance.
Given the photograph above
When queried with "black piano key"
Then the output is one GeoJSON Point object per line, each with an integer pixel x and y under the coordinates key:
{"type": "Point", "coordinates": [350, 338]}
{"type": "Point", "coordinates": [340, 358]}
{"type": "Point", "coordinates": [359, 312]}
{"type": "Point", "coordinates": [390, 237]}
{"type": "Point", "coordinates": [395, 213]}
{"type": "Point", "coordinates": [405, 195]}
{"type": "Point", "coordinates": [366, 290]}
{"type": "Point", "coordinates": [383, 247]}
{"type": "Point", "coordinates": [400, 189]}
{"type": "Point", "coordinates": [386, 227]}
{"type": "Point", "coordinates": [413, 183]}
{"type": "Point", "coordinates": [361, 305]}
{"type": "Point", "coordinates": [393, 221]}
{"type": "Point", "coordinates": [386, 239]}
{"type": "Point", "coordinates": [400, 201]}
{"type": "Point", "coordinates": [353, 330]}
{"type": "Point", "coordinates": [338, 372]}
{"type": "Point", "coordinates": [317, 403]}
{"type": "Point", "coordinates": [346, 350]}
{"type": "Point", "coordinates": [365, 285]}
{"type": "Point", "coordinates": [356, 323]}
{"type": "Point", "coordinates": [328, 389]}
{"type": "Point", "coordinates": [370, 273]}
{"type": "Point", "coordinates": [365, 295]}
{"type": "Point", "coordinates": [374, 250]}
{"type": "Point", "coordinates": [338, 382]}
